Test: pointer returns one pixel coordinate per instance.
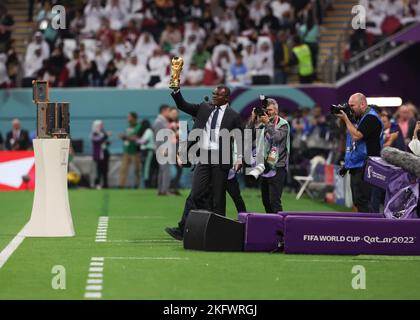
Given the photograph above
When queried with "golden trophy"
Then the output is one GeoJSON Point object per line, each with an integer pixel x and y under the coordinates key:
{"type": "Point", "coordinates": [176, 67]}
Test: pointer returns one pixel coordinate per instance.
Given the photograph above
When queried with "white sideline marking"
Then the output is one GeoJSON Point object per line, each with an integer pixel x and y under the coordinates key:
{"type": "Point", "coordinates": [93, 295]}
{"type": "Point", "coordinates": [102, 229]}
{"type": "Point", "coordinates": [94, 281]}
{"type": "Point", "coordinates": [147, 258]}
{"type": "Point", "coordinates": [146, 241]}
{"type": "Point", "coordinates": [11, 247]}
{"type": "Point", "coordinates": [136, 217]}
{"type": "Point", "coordinates": [97, 259]}
{"type": "Point", "coordinates": [96, 269]}
{"type": "Point", "coordinates": [96, 264]}
{"type": "Point", "coordinates": [329, 261]}
{"type": "Point", "coordinates": [94, 285]}
{"type": "Point", "coordinates": [95, 275]}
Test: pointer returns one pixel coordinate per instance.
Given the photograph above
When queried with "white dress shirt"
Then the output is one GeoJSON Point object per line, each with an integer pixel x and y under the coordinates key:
{"type": "Point", "coordinates": [207, 143]}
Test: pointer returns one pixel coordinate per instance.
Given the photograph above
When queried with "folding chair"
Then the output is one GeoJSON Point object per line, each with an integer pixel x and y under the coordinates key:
{"type": "Point", "coordinates": [305, 181]}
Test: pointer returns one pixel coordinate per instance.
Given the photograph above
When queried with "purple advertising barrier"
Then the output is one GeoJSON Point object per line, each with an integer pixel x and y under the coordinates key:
{"type": "Point", "coordinates": [263, 231]}
{"type": "Point", "coordinates": [353, 236]}
{"type": "Point", "coordinates": [380, 173]}
{"type": "Point", "coordinates": [331, 214]}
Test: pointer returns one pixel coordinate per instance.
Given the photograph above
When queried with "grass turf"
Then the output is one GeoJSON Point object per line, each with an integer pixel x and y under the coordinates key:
{"type": "Point", "coordinates": [134, 268]}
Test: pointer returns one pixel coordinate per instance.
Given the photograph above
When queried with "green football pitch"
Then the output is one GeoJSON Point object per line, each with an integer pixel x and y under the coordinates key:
{"type": "Point", "coordinates": [139, 260]}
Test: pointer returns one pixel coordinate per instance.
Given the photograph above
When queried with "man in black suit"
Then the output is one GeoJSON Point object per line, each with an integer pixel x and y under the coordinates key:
{"type": "Point", "coordinates": [211, 118]}
{"type": "Point", "coordinates": [17, 138]}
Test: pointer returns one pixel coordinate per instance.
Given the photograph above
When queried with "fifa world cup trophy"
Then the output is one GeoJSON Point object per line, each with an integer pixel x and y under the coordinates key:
{"type": "Point", "coordinates": [176, 67]}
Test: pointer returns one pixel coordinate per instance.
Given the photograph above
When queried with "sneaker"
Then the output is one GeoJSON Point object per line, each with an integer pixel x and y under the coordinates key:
{"type": "Point", "coordinates": [175, 233]}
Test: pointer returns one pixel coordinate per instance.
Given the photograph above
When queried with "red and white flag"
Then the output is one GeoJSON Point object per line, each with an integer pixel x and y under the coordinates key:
{"type": "Point", "coordinates": [14, 166]}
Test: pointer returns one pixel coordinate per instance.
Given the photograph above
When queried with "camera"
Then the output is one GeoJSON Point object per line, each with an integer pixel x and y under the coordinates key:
{"type": "Point", "coordinates": [336, 108]}
{"type": "Point", "coordinates": [261, 110]}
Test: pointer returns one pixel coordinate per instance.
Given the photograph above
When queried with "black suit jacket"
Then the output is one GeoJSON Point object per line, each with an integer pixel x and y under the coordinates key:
{"type": "Point", "coordinates": [201, 112]}
{"type": "Point", "coordinates": [23, 143]}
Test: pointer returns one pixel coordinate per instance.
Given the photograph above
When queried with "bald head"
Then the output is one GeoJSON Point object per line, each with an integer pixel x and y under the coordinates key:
{"type": "Point", "coordinates": [16, 124]}
{"type": "Point", "coordinates": [358, 103]}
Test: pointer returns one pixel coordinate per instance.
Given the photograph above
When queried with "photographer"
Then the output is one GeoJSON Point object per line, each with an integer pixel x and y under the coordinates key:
{"type": "Point", "coordinates": [364, 139]}
{"type": "Point", "coordinates": [276, 148]}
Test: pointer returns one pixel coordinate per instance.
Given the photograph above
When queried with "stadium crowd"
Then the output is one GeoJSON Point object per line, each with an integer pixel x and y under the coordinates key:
{"type": "Point", "coordinates": [129, 43]}
{"type": "Point", "coordinates": [383, 18]}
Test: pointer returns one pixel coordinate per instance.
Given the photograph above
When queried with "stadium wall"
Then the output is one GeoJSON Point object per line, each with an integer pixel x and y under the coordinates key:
{"type": "Point", "coordinates": [112, 106]}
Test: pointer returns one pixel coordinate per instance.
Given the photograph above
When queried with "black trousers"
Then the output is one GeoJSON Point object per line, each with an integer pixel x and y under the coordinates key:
{"type": "Point", "coordinates": [102, 172]}
{"type": "Point", "coordinates": [361, 191]}
{"type": "Point", "coordinates": [234, 192]}
{"type": "Point", "coordinates": [210, 178]}
{"type": "Point", "coordinates": [271, 191]}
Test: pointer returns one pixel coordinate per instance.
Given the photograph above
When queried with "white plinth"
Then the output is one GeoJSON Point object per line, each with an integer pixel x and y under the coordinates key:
{"type": "Point", "coordinates": [51, 216]}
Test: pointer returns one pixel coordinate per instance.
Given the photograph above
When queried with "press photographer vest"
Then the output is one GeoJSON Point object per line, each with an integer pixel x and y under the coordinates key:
{"type": "Point", "coordinates": [268, 147]}
{"type": "Point", "coordinates": [356, 151]}
{"type": "Point", "coordinates": [303, 54]}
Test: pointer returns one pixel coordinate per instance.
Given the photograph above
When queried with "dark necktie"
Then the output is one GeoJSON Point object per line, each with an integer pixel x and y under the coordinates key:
{"type": "Point", "coordinates": [213, 124]}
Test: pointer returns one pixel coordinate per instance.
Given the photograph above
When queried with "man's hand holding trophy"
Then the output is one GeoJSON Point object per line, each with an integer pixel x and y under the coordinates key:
{"type": "Point", "coordinates": [176, 67]}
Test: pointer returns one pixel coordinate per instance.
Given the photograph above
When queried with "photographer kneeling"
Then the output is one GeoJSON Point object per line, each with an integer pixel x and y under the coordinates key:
{"type": "Point", "coordinates": [364, 139]}
{"type": "Point", "coordinates": [275, 147]}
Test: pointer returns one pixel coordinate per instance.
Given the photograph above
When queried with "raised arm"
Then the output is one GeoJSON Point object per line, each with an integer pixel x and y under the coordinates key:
{"type": "Point", "coordinates": [181, 104]}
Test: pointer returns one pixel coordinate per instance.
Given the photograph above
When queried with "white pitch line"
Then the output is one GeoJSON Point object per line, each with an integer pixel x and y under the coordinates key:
{"type": "Point", "coordinates": [96, 269]}
{"type": "Point", "coordinates": [11, 247]}
{"type": "Point", "coordinates": [93, 295]}
{"type": "Point", "coordinates": [102, 229]}
{"type": "Point", "coordinates": [94, 287]}
{"type": "Point", "coordinates": [147, 258]}
{"type": "Point", "coordinates": [95, 275]}
{"type": "Point", "coordinates": [329, 261]}
{"type": "Point", "coordinates": [136, 217]}
{"type": "Point", "coordinates": [96, 264]}
{"type": "Point", "coordinates": [146, 241]}
{"type": "Point", "coordinates": [97, 259]}
{"type": "Point", "coordinates": [95, 279]}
